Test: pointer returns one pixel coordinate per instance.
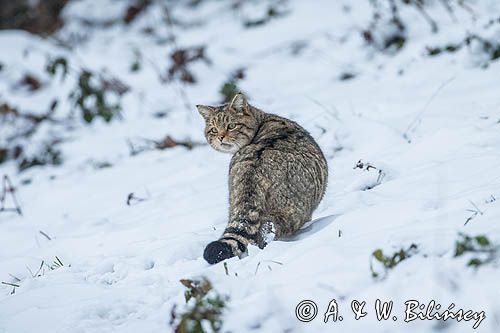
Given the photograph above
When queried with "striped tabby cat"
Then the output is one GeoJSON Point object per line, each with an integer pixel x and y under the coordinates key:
{"type": "Point", "coordinates": [277, 175]}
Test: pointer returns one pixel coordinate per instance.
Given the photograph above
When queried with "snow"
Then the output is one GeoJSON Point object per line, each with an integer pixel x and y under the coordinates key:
{"type": "Point", "coordinates": [122, 264]}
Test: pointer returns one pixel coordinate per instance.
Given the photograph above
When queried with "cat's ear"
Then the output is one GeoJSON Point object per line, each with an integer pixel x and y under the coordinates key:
{"type": "Point", "coordinates": [205, 110]}
{"type": "Point", "coordinates": [239, 103]}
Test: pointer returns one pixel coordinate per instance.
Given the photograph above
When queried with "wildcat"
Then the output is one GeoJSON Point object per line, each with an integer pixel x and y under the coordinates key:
{"type": "Point", "coordinates": [277, 175]}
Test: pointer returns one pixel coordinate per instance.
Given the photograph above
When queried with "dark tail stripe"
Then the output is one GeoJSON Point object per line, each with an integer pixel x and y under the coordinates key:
{"type": "Point", "coordinates": [241, 246]}
{"type": "Point", "coordinates": [241, 233]}
{"type": "Point", "coordinates": [248, 221]}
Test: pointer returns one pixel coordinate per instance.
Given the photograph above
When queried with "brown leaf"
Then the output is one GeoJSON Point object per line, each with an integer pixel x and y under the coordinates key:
{"type": "Point", "coordinates": [187, 283]}
{"type": "Point", "coordinates": [31, 82]}
{"type": "Point", "coordinates": [179, 57]}
{"type": "Point", "coordinates": [7, 109]}
{"type": "Point", "coordinates": [133, 11]}
{"type": "Point", "coordinates": [169, 142]}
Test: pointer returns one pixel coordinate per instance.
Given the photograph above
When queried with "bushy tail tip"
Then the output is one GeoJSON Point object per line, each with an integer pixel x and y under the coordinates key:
{"type": "Point", "coordinates": [217, 251]}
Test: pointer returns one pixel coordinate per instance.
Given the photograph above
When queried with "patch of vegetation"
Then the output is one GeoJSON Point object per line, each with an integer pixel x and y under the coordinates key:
{"type": "Point", "coordinates": [7, 153]}
{"type": "Point", "coordinates": [272, 13]}
{"type": "Point", "coordinates": [181, 58]}
{"type": "Point", "coordinates": [26, 125]}
{"type": "Point", "coordinates": [90, 96]}
{"type": "Point", "coordinates": [16, 282]}
{"type": "Point", "coordinates": [387, 30]}
{"type": "Point", "coordinates": [136, 65]}
{"type": "Point", "coordinates": [92, 91]}
{"type": "Point", "coordinates": [204, 309]}
{"type": "Point", "coordinates": [390, 261]}
{"type": "Point", "coordinates": [483, 251]}
{"type": "Point", "coordinates": [96, 95]}
{"type": "Point", "coordinates": [487, 47]}
{"type": "Point", "coordinates": [230, 88]}
{"type": "Point", "coordinates": [53, 66]}
{"type": "Point", "coordinates": [49, 155]}
{"type": "Point", "coordinates": [450, 48]}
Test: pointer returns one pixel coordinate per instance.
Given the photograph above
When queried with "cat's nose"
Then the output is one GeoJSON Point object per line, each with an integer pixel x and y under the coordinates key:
{"type": "Point", "coordinates": [222, 136]}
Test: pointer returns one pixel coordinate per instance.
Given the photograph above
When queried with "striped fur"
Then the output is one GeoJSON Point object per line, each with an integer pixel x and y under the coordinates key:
{"type": "Point", "coordinates": [277, 175]}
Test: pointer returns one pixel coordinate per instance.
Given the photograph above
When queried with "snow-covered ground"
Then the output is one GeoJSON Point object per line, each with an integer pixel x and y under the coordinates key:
{"type": "Point", "coordinates": [431, 124]}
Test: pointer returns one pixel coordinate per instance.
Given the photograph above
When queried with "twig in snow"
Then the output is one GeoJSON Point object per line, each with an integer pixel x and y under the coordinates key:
{"type": "Point", "coordinates": [330, 111]}
{"type": "Point", "coordinates": [367, 167]}
{"type": "Point", "coordinates": [8, 188]}
{"type": "Point", "coordinates": [271, 261]}
{"type": "Point", "coordinates": [464, 6]}
{"type": "Point", "coordinates": [37, 274]}
{"type": "Point", "coordinates": [412, 127]}
{"type": "Point", "coordinates": [257, 268]}
{"type": "Point", "coordinates": [449, 9]}
{"type": "Point", "coordinates": [364, 166]}
{"type": "Point", "coordinates": [132, 199]}
{"type": "Point", "coordinates": [491, 199]}
{"type": "Point", "coordinates": [57, 263]}
{"type": "Point", "coordinates": [15, 277]}
{"type": "Point", "coordinates": [426, 16]}
{"type": "Point", "coordinates": [142, 144]}
{"type": "Point", "coordinates": [180, 58]}
{"type": "Point", "coordinates": [12, 285]}
{"type": "Point", "coordinates": [476, 211]}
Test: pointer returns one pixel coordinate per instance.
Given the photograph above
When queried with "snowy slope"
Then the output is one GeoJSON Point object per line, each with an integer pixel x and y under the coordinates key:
{"type": "Point", "coordinates": [122, 264]}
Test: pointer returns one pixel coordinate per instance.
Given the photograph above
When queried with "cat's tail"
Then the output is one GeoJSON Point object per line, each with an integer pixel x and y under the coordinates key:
{"type": "Point", "coordinates": [232, 243]}
{"type": "Point", "coordinates": [235, 239]}
{"type": "Point", "coordinates": [222, 249]}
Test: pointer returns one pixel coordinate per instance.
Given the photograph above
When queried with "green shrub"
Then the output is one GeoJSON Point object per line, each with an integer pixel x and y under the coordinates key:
{"type": "Point", "coordinates": [205, 308]}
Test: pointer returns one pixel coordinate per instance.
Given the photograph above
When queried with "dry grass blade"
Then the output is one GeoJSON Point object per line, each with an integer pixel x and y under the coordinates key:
{"type": "Point", "coordinates": [44, 234]}
{"type": "Point", "coordinates": [10, 284]}
{"type": "Point", "coordinates": [268, 266]}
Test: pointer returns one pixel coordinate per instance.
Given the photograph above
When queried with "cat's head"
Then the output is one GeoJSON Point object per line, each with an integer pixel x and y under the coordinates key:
{"type": "Point", "coordinates": [231, 126]}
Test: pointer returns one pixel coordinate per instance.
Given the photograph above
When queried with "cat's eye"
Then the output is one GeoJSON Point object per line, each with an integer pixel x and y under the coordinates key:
{"type": "Point", "coordinates": [231, 126]}
{"type": "Point", "coordinates": [213, 130]}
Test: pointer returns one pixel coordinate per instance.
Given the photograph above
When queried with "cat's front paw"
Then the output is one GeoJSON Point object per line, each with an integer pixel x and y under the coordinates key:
{"type": "Point", "coordinates": [217, 251]}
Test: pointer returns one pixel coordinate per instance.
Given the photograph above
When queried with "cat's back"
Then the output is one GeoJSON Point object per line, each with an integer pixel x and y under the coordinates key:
{"type": "Point", "coordinates": [277, 134]}
{"type": "Point", "coordinates": [282, 144]}
{"type": "Point", "coordinates": [284, 159]}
